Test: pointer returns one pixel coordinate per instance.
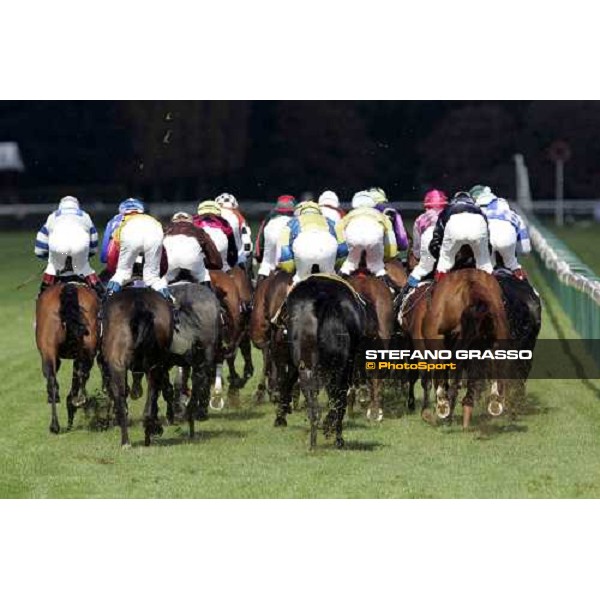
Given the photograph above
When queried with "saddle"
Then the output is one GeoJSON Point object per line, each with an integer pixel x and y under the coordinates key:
{"type": "Point", "coordinates": [338, 278]}
{"type": "Point", "coordinates": [413, 296]}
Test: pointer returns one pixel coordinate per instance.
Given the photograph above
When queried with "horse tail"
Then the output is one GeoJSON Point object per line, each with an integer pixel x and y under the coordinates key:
{"type": "Point", "coordinates": [477, 321]}
{"type": "Point", "coordinates": [70, 312]}
{"type": "Point", "coordinates": [142, 324]}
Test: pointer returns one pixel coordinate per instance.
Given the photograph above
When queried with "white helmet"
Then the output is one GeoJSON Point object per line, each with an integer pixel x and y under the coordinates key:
{"type": "Point", "coordinates": [329, 198]}
{"type": "Point", "coordinates": [227, 200]}
{"type": "Point", "coordinates": [362, 199]}
{"type": "Point", "coordinates": [68, 202]}
{"type": "Point", "coordinates": [483, 196]}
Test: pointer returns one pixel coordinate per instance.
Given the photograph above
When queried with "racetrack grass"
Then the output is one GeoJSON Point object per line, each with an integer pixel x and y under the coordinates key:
{"type": "Point", "coordinates": [551, 451]}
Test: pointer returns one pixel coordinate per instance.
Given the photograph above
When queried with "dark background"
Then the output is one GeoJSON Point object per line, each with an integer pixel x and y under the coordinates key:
{"type": "Point", "coordinates": [188, 150]}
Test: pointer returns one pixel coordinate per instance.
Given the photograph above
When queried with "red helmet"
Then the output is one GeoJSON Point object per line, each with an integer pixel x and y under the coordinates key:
{"type": "Point", "coordinates": [435, 199]}
{"type": "Point", "coordinates": [285, 204]}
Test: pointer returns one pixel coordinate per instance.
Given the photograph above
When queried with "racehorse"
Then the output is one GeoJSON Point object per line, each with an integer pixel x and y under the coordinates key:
{"type": "Point", "coordinates": [466, 312]}
{"type": "Point", "coordinates": [326, 322]}
{"type": "Point", "coordinates": [411, 317]}
{"type": "Point", "coordinates": [380, 325]}
{"type": "Point", "coordinates": [396, 272]}
{"type": "Point", "coordinates": [66, 327]}
{"type": "Point", "coordinates": [266, 336]}
{"type": "Point", "coordinates": [195, 345]}
{"type": "Point", "coordinates": [244, 287]}
{"type": "Point", "coordinates": [137, 333]}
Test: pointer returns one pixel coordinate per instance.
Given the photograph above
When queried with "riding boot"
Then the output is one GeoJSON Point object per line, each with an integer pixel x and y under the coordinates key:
{"type": "Point", "coordinates": [47, 281]}
{"type": "Point", "coordinates": [166, 294]}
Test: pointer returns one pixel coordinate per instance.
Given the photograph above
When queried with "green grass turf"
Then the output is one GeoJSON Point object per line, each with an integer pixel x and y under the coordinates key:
{"type": "Point", "coordinates": [552, 450]}
{"type": "Point", "coordinates": [584, 239]}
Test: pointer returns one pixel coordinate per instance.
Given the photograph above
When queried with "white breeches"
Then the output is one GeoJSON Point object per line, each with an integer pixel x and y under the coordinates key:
{"type": "Point", "coordinates": [465, 229]}
{"type": "Point", "coordinates": [141, 236]}
{"type": "Point", "coordinates": [503, 239]}
{"type": "Point", "coordinates": [312, 248]}
{"type": "Point", "coordinates": [364, 235]}
{"type": "Point", "coordinates": [426, 261]}
{"type": "Point", "coordinates": [69, 239]}
{"type": "Point", "coordinates": [220, 241]}
{"type": "Point", "coordinates": [272, 249]}
{"type": "Point", "coordinates": [184, 252]}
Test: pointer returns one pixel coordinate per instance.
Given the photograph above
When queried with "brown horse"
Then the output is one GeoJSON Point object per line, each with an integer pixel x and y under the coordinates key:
{"type": "Point", "coordinates": [396, 272]}
{"type": "Point", "coordinates": [467, 311]}
{"type": "Point", "coordinates": [380, 325]}
{"type": "Point", "coordinates": [137, 332]}
{"type": "Point", "coordinates": [268, 298]}
{"type": "Point", "coordinates": [66, 328]}
{"type": "Point", "coordinates": [411, 318]}
{"type": "Point", "coordinates": [244, 287]}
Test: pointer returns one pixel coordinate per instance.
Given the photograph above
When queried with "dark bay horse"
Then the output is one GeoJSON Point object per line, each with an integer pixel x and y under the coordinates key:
{"type": "Point", "coordinates": [269, 337]}
{"type": "Point", "coordinates": [195, 346]}
{"type": "Point", "coordinates": [137, 333]}
{"type": "Point", "coordinates": [379, 329]}
{"type": "Point", "coordinates": [326, 323]}
{"type": "Point", "coordinates": [244, 287]}
{"type": "Point", "coordinates": [467, 312]}
{"type": "Point", "coordinates": [66, 327]}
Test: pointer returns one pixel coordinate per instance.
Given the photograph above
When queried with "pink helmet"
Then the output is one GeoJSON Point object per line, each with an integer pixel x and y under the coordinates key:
{"type": "Point", "coordinates": [435, 199]}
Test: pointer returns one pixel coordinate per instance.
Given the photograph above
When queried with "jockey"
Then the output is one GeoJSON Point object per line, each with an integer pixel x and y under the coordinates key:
{"type": "Point", "coordinates": [382, 205]}
{"type": "Point", "coordinates": [308, 242]}
{"type": "Point", "coordinates": [241, 230]}
{"type": "Point", "coordinates": [210, 219]}
{"type": "Point", "coordinates": [461, 223]}
{"type": "Point", "coordinates": [68, 231]}
{"type": "Point", "coordinates": [189, 248]}
{"type": "Point", "coordinates": [330, 206]}
{"type": "Point", "coordinates": [267, 249]}
{"type": "Point", "coordinates": [135, 233]}
{"type": "Point", "coordinates": [367, 231]}
{"type": "Point", "coordinates": [508, 232]}
{"type": "Point", "coordinates": [434, 202]}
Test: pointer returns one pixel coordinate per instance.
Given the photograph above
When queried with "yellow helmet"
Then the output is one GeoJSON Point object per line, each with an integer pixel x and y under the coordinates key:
{"type": "Point", "coordinates": [209, 207]}
{"type": "Point", "coordinates": [378, 195]}
{"type": "Point", "coordinates": [307, 207]}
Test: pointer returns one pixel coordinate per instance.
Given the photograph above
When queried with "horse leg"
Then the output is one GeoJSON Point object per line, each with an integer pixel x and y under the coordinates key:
{"type": "Point", "coordinates": [411, 403]}
{"type": "Point", "coordinates": [216, 399]}
{"type": "Point", "coordinates": [136, 385]}
{"type": "Point", "coordinates": [235, 381]}
{"type": "Point", "coordinates": [152, 425]}
{"type": "Point", "coordinates": [473, 392]}
{"type": "Point", "coordinates": [50, 368]}
{"type": "Point", "coordinates": [246, 350]}
{"type": "Point", "coordinates": [118, 393]}
{"type": "Point", "coordinates": [171, 400]}
{"type": "Point", "coordinates": [310, 389]}
{"type": "Point", "coordinates": [375, 410]}
{"type": "Point", "coordinates": [495, 405]}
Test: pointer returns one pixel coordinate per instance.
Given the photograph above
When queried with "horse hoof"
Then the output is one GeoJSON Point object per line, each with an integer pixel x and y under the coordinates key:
{"type": "Point", "coordinates": [442, 409]}
{"type": "Point", "coordinates": [339, 443]}
{"type": "Point", "coordinates": [217, 402]}
{"type": "Point", "coordinates": [79, 401]}
{"type": "Point", "coordinates": [126, 446]}
{"type": "Point", "coordinates": [136, 392]}
{"type": "Point", "coordinates": [280, 422]}
{"type": "Point", "coordinates": [427, 416]}
{"type": "Point", "coordinates": [495, 408]}
{"type": "Point", "coordinates": [54, 428]}
{"type": "Point", "coordinates": [258, 397]}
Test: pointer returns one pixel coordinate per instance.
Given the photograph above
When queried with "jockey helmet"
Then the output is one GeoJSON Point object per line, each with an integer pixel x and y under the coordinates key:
{"type": "Point", "coordinates": [285, 204]}
{"type": "Point", "coordinates": [182, 217]}
{"type": "Point", "coordinates": [131, 205]}
{"type": "Point", "coordinates": [307, 206]}
{"type": "Point", "coordinates": [378, 195]}
{"type": "Point", "coordinates": [329, 198]}
{"type": "Point", "coordinates": [482, 194]}
{"type": "Point", "coordinates": [435, 199]}
{"type": "Point", "coordinates": [462, 197]}
{"type": "Point", "coordinates": [209, 207]}
{"type": "Point", "coordinates": [68, 202]}
{"type": "Point", "coordinates": [227, 200]}
{"type": "Point", "coordinates": [362, 199]}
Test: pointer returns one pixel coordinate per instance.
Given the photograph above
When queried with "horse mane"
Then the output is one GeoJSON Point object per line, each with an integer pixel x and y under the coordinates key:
{"type": "Point", "coordinates": [71, 312]}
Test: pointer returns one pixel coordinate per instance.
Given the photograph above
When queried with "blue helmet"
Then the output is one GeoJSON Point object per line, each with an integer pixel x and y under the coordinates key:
{"type": "Point", "coordinates": [131, 205]}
